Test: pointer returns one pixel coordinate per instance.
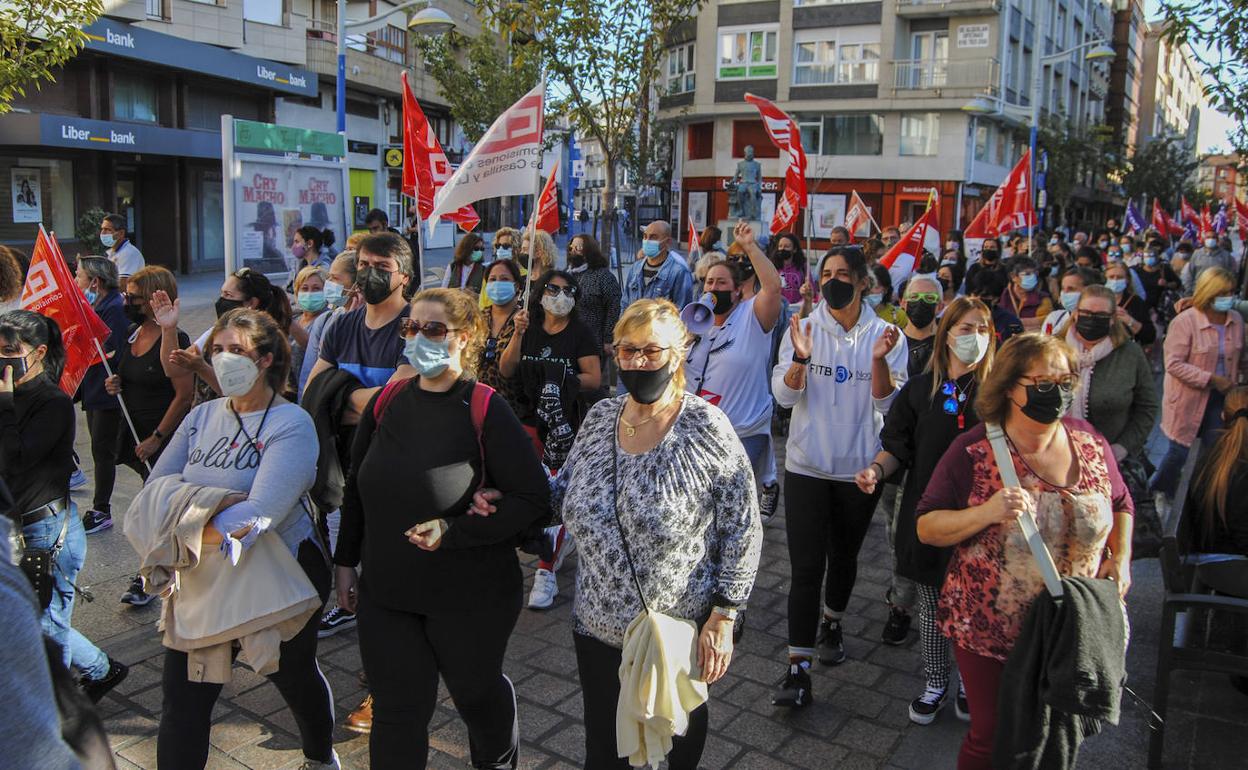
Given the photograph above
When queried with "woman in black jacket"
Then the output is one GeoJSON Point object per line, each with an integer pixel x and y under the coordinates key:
{"type": "Point", "coordinates": [441, 591]}
{"type": "Point", "coordinates": [931, 410]}
{"type": "Point", "coordinates": [36, 460]}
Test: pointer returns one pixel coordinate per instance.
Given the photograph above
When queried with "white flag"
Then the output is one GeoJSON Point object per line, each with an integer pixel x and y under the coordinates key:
{"type": "Point", "coordinates": [503, 163]}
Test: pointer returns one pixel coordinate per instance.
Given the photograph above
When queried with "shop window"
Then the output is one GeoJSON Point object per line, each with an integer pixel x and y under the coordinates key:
{"type": "Point", "coordinates": [701, 140]}
{"type": "Point", "coordinates": [134, 98]}
{"type": "Point", "coordinates": [680, 70]}
{"type": "Point", "coordinates": [752, 132]}
{"type": "Point", "coordinates": [205, 108]}
{"type": "Point", "coordinates": [747, 52]}
{"type": "Point", "coordinates": [40, 190]}
{"type": "Point", "coordinates": [920, 133]}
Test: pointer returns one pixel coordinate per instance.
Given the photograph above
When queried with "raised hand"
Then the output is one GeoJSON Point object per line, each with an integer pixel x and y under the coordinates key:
{"type": "Point", "coordinates": [165, 312]}
{"type": "Point", "coordinates": [801, 339]}
{"type": "Point", "coordinates": [885, 342]}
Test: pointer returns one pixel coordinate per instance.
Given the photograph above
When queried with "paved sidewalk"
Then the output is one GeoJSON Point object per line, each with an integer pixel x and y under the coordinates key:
{"type": "Point", "coordinates": [858, 718]}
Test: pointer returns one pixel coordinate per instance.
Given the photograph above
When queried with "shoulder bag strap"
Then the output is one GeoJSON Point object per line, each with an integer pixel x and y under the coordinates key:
{"type": "Point", "coordinates": [615, 503]}
{"type": "Point", "coordinates": [1009, 478]}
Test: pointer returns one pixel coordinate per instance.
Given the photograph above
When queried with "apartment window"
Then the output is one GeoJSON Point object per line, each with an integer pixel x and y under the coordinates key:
{"type": "Point", "coordinates": [680, 70]}
{"type": "Point", "coordinates": [799, 3]}
{"type": "Point", "coordinates": [158, 10]}
{"type": "Point", "coordinates": [134, 98]}
{"type": "Point", "coordinates": [982, 139]}
{"type": "Point", "coordinates": [842, 134]}
{"type": "Point", "coordinates": [390, 43]}
{"type": "Point", "coordinates": [701, 140]}
{"type": "Point", "coordinates": [829, 56]}
{"type": "Point", "coordinates": [263, 11]}
{"type": "Point", "coordinates": [747, 52]}
{"type": "Point", "coordinates": [920, 133]}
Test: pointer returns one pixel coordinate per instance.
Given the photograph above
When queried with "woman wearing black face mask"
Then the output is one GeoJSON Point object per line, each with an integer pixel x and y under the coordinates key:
{"type": "Point", "coordinates": [1068, 479]}
{"type": "Point", "coordinates": [1117, 395]}
{"type": "Point", "coordinates": [839, 370]}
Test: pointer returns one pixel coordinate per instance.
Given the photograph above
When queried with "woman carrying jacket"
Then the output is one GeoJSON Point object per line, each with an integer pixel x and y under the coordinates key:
{"type": "Point", "coordinates": [839, 371]}
{"type": "Point", "coordinates": [440, 591]}
{"type": "Point", "coordinates": [262, 446]}
{"type": "Point", "coordinates": [1203, 361]}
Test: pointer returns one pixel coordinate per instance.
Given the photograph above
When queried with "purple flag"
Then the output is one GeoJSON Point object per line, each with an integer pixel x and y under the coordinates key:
{"type": "Point", "coordinates": [1133, 220]}
{"type": "Point", "coordinates": [1189, 233]}
{"type": "Point", "coordinates": [1219, 220]}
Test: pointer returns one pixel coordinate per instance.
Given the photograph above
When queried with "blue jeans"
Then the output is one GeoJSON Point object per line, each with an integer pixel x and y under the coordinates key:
{"type": "Point", "coordinates": [1166, 478]}
{"type": "Point", "coordinates": [78, 650]}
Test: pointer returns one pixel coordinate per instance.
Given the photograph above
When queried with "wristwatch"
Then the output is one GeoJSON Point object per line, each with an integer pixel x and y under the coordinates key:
{"type": "Point", "coordinates": [727, 612]}
{"type": "Point", "coordinates": [158, 434]}
{"type": "Point", "coordinates": [803, 360]}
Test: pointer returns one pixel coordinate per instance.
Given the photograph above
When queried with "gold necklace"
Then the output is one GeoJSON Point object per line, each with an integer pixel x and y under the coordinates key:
{"type": "Point", "coordinates": [630, 429]}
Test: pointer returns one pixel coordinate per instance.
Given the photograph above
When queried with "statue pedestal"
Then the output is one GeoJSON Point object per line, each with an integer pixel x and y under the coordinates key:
{"type": "Point", "coordinates": [726, 226]}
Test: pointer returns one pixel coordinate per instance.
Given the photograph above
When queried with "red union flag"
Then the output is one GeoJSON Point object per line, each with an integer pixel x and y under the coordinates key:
{"type": "Point", "coordinates": [857, 216]}
{"type": "Point", "coordinates": [901, 259]}
{"type": "Point", "coordinates": [503, 163]}
{"type": "Point", "coordinates": [1241, 217]}
{"type": "Point", "coordinates": [1187, 214]}
{"type": "Point", "coordinates": [51, 291]}
{"type": "Point", "coordinates": [787, 138]}
{"type": "Point", "coordinates": [1206, 222]}
{"type": "Point", "coordinates": [1010, 206]}
{"type": "Point", "coordinates": [548, 204]}
{"type": "Point", "coordinates": [425, 167]}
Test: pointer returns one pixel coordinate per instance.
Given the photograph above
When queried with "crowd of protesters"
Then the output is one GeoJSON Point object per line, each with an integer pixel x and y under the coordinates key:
{"type": "Point", "coordinates": [541, 402]}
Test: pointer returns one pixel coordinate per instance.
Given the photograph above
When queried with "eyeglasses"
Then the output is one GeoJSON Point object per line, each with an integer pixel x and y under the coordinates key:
{"type": "Point", "coordinates": [554, 290]}
{"type": "Point", "coordinates": [433, 330]}
{"type": "Point", "coordinates": [1089, 314]}
{"type": "Point", "coordinates": [1044, 384]}
{"type": "Point", "coordinates": [491, 349]}
{"type": "Point", "coordinates": [628, 353]}
{"type": "Point", "coordinates": [930, 297]}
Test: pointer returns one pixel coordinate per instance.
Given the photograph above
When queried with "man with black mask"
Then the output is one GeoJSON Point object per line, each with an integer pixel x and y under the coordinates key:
{"type": "Point", "coordinates": [923, 302]}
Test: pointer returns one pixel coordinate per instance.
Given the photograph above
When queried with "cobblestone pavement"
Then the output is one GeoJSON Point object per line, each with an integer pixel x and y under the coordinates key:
{"type": "Point", "coordinates": [858, 718]}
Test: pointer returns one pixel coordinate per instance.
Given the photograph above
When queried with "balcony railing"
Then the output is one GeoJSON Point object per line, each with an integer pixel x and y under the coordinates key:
{"type": "Point", "coordinates": [946, 7]}
{"type": "Point", "coordinates": [384, 43]}
{"type": "Point", "coordinates": [977, 75]}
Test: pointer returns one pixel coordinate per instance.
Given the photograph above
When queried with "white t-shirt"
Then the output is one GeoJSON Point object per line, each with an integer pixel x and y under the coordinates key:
{"type": "Point", "coordinates": [728, 366]}
{"type": "Point", "coordinates": [1054, 320]}
{"type": "Point", "coordinates": [127, 258]}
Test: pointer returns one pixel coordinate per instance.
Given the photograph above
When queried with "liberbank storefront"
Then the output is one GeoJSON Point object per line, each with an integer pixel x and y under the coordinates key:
{"type": "Point", "coordinates": [132, 126]}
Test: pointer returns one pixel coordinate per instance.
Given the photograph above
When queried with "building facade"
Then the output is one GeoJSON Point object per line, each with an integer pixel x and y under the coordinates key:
{"type": "Point", "coordinates": [1223, 176]}
{"type": "Point", "coordinates": [132, 124]}
{"type": "Point", "coordinates": [1171, 94]}
{"type": "Point", "coordinates": [879, 90]}
{"type": "Point", "coordinates": [1126, 77]}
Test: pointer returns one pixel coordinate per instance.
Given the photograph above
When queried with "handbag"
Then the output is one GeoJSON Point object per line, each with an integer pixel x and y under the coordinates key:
{"type": "Point", "coordinates": [1009, 478]}
{"type": "Point", "coordinates": [38, 564]}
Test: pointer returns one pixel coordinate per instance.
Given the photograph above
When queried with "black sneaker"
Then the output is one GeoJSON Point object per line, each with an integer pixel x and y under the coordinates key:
{"type": "Point", "coordinates": [923, 709]}
{"type": "Point", "coordinates": [897, 629]}
{"type": "Point", "coordinates": [135, 596]}
{"type": "Point", "coordinates": [959, 705]}
{"type": "Point", "coordinates": [96, 521]}
{"type": "Point", "coordinates": [334, 621]}
{"type": "Point", "coordinates": [830, 643]}
{"type": "Point", "coordinates": [794, 689]}
{"type": "Point", "coordinates": [769, 500]}
{"type": "Point", "coordinates": [98, 688]}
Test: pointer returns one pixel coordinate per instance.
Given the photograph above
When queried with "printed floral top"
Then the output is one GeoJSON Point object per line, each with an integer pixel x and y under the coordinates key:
{"type": "Point", "coordinates": [487, 364]}
{"type": "Point", "coordinates": [688, 507]}
{"type": "Point", "coordinates": [992, 577]}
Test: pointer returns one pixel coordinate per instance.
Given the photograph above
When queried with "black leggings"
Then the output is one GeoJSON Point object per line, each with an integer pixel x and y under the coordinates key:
{"type": "Point", "coordinates": [404, 652]}
{"type": "Point", "coordinates": [103, 425]}
{"type": "Point", "coordinates": [826, 522]}
{"type": "Point", "coordinates": [186, 716]}
{"type": "Point", "coordinates": [598, 665]}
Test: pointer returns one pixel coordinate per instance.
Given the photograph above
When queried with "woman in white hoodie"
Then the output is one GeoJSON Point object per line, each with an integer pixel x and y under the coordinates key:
{"type": "Point", "coordinates": [839, 371]}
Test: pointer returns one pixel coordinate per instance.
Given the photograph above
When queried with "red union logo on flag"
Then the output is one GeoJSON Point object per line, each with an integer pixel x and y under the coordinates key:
{"type": "Point", "coordinates": [523, 126]}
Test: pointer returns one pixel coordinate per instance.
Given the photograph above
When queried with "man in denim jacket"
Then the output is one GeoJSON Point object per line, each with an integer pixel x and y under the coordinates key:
{"type": "Point", "coordinates": [658, 271]}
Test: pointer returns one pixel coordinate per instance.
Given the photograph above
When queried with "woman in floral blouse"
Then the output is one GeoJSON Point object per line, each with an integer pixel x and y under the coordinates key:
{"type": "Point", "coordinates": [503, 284]}
{"type": "Point", "coordinates": [1069, 480]}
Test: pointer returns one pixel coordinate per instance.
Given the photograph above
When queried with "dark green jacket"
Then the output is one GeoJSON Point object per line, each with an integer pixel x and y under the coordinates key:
{"type": "Point", "coordinates": [1122, 401]}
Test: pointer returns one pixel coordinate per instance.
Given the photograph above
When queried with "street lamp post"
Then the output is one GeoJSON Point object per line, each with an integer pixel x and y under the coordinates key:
{"type": "Point", "coordinates": [429, 21]}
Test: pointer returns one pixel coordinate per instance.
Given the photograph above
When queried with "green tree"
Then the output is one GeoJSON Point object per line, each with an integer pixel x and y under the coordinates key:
{"type": "Point", "coordinates": [600, 58]}
{"type": "Point", "coordinates": [1077, 158]}
{"type": "Point", "coordinates": [36, 38]}
{"type": "Point", "coordinates": [1217, 33]}
{"type": "Point", "coordinates": [1160, 169]}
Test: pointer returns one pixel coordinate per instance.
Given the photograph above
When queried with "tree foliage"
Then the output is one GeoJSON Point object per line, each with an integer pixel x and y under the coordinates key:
{"type": "Point", "coordinates": [476, 76]}
{"type": "Point", "coordinates": [36, 38]}
{"type": "Point", "coordinates": [1160, 169]}
{"type": "Point", "coordinates": [1217, 33]}
{"type": "Point", "coordinates": [1077, 157]}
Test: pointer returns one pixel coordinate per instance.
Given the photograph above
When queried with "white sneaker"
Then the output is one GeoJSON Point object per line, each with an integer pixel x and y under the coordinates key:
{"type": "Point", "coordinates": [569, 545]}
{"type": "Point", "coordinates": [545, 589]}
{"type": "Point", "coordinates": [312, 764]}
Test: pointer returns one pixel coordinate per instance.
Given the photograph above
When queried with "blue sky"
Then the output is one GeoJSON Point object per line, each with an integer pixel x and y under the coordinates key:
{"type": "Point", "coordinates": [1214, 126]}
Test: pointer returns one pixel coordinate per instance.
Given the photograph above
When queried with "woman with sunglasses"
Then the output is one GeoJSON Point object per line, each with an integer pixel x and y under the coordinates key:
{"type": "Point", "coordinates": [933, 408]}
{"type": "Point", "coordinates": [1068, 479]}
{"type": "Point", "coordinates": [503, 283]}
{"type": "Point", "coordinates": [440, 590]}
{"type": "Point", "coordinates": [558, 359]}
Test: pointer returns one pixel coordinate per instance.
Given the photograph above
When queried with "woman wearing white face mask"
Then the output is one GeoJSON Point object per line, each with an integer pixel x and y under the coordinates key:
{"type": "Point", "coordinates": [931, 410]}
{"type": "Point", "coordinates": [255, 442]}
{"type": "Point", "coordinates": [557, 360]}
{"type": "Point", "coordinates": [440, 590]}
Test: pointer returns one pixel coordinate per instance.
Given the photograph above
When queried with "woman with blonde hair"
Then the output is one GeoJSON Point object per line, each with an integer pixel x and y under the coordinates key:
{"type": "Point", "coordinates": [440, 590]}
{"type": "Point", "coordinates": [932, 410]}
{"type": "Point", "coordinates": [542, 259]}
{"type": "Point", "coordinates": [1203, 360]}
{"type": "Point", "coordinates": [1067, 477]}
{"type": "Point", "coordinates": [310, 299]}
{"type": "Point", "coordinates": [505, 244]}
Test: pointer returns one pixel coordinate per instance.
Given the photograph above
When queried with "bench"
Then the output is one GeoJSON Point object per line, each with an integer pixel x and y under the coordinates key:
{"type": "Point", "coordinates": [1187, 598]}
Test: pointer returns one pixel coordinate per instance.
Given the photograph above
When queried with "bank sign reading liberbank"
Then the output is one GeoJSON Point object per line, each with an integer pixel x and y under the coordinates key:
{"type": "Point", "coordinates": [120, 39]}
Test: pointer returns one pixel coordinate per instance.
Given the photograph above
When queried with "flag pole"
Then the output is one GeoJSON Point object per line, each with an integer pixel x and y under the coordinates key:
{"type": "Point", "coordinates": [420, 243]}
{"type": "Point", "coordinates": [537, 194]}
{"type": "Point", "coordinates": [120, 400]}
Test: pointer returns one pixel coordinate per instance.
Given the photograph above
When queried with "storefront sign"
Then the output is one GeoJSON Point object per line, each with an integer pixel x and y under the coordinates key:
{"type": "Point", "coordinates": [82, 133]}
{"type": "Point", "coordinates": [394, 157]}
{"type": "Point", "coordinates": [910, 189]}
{"type": "Point", "coordinates": [269, 138]}
{"type": "Point", "coordinates": [120, 39]}
{"type": "Point", "coordinates": [769, 185]}
{"type": "Point", "coordinates": [973, 35]}
{"type": "Point", "coordinates": [363, 148]}
{"type": "Point", "coordinates": [27, 201]}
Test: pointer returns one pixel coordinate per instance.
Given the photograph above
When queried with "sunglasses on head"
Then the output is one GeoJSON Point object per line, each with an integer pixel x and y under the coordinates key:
{"type": "Point", "coordinates": [432, 330]}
